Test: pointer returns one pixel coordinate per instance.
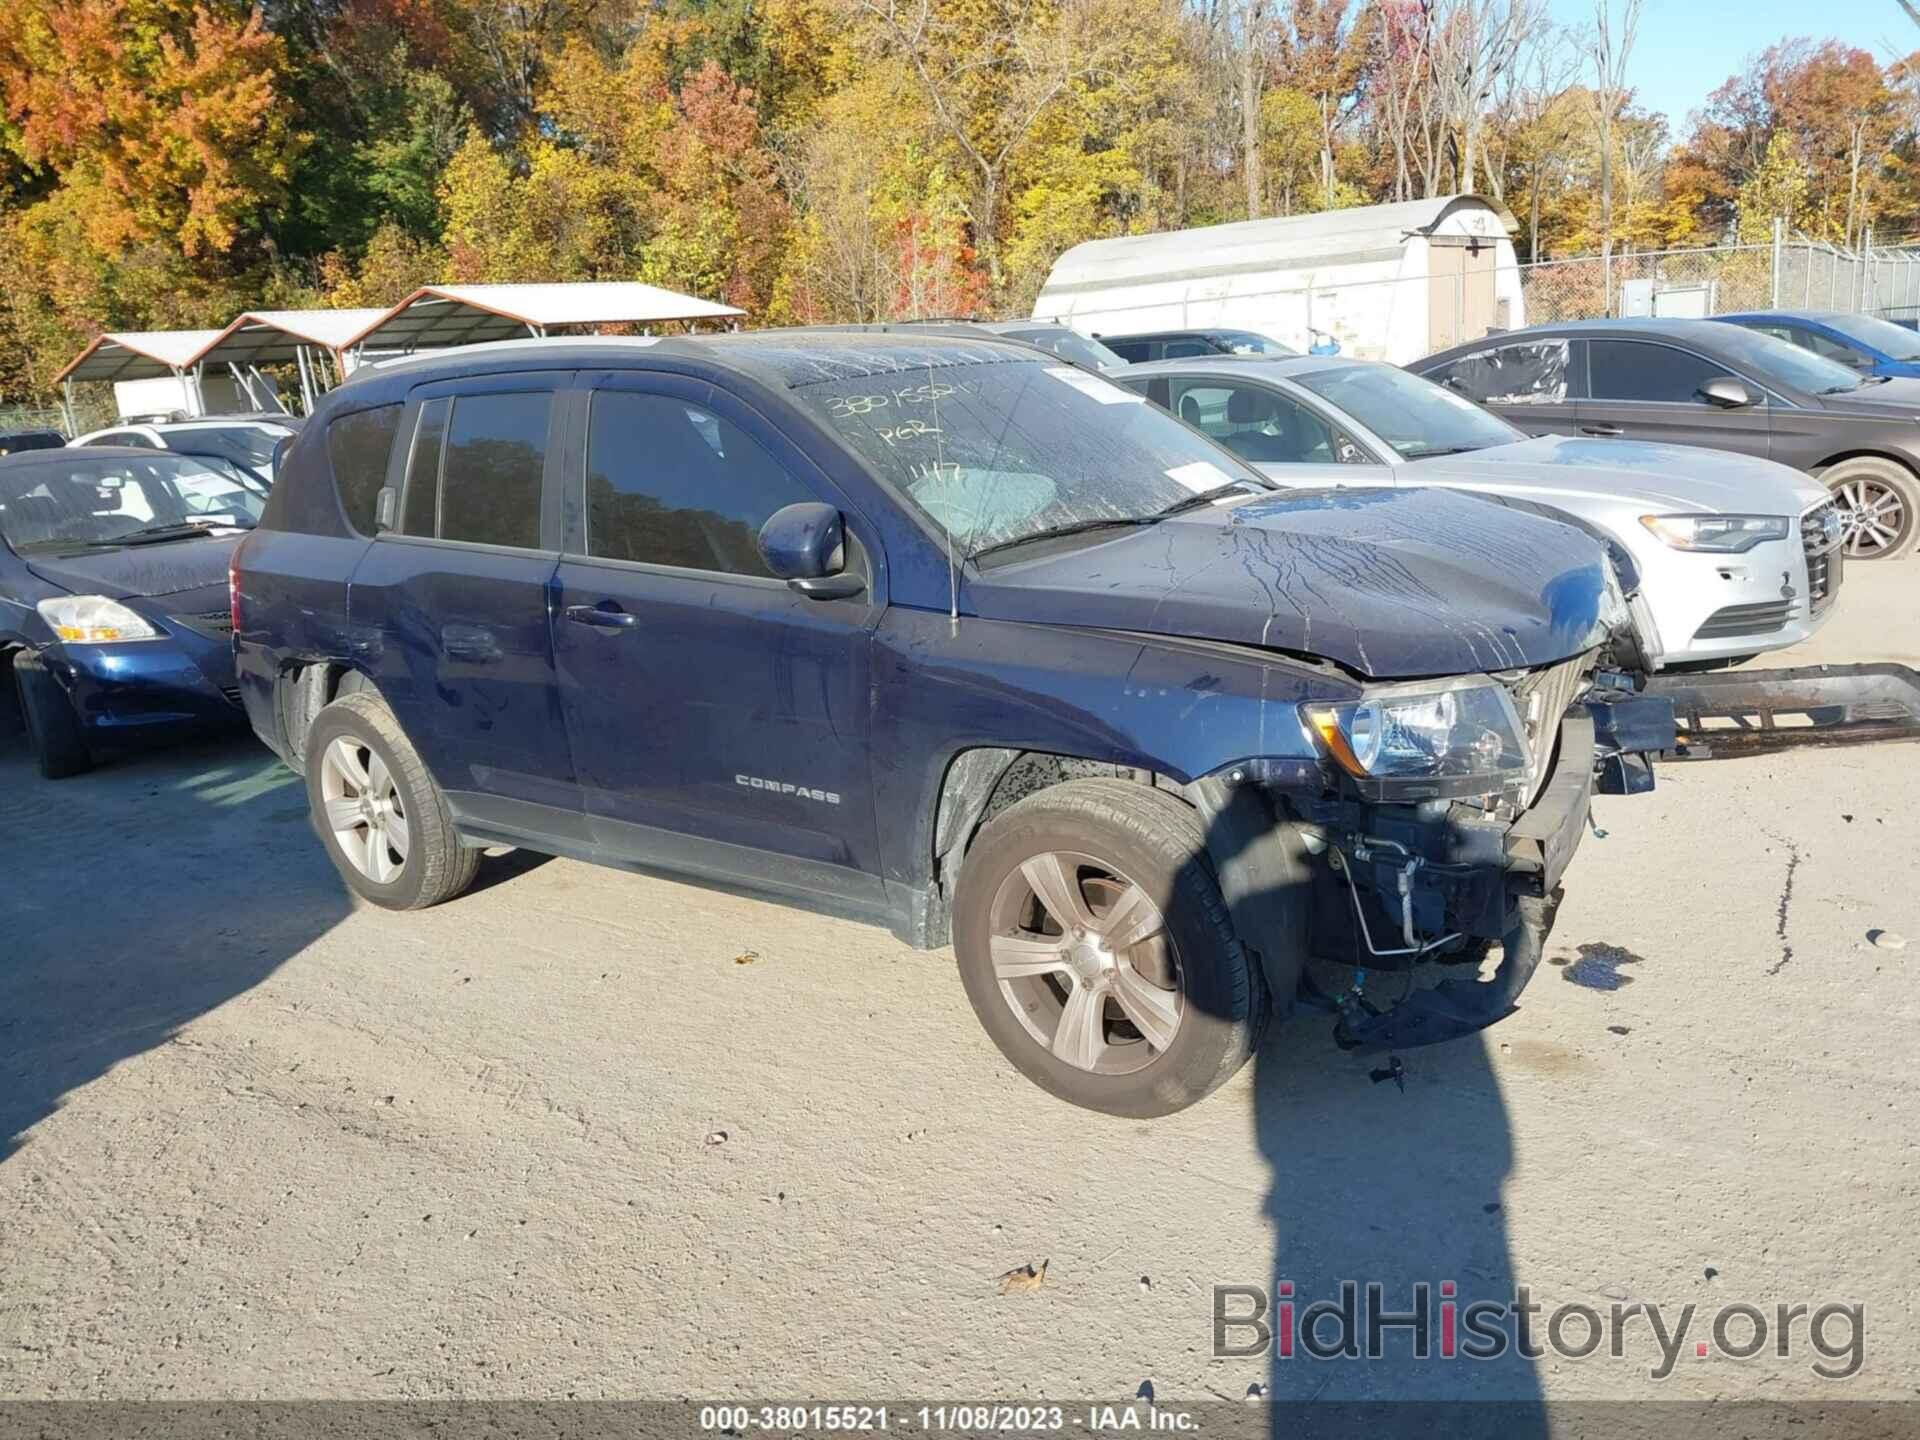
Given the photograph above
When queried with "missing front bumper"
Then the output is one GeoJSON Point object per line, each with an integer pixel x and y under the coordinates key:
{"type": "Point", "coordinates": [1537, 849]}
{"type": "Point", "coordinates": [1454, 1009]}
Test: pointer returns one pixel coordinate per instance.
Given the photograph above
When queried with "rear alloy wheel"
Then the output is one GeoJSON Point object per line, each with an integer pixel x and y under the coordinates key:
{"type": "Point", "coordinates": [1097, 951]}
{"type": "Point", "coordinates": [384, 822]}
{"type": "Point", "coordinates": [364, 810]}
{"type": "Point", "coordinates": [1880, 504]}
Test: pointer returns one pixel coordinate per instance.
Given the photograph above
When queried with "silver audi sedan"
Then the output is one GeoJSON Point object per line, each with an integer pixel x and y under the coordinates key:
{"type": "Point", "coordinates": [1730, 556]}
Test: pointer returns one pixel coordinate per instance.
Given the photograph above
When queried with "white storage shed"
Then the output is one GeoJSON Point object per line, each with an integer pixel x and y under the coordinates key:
{"type": "Point", "coordinates": [1387, 282]}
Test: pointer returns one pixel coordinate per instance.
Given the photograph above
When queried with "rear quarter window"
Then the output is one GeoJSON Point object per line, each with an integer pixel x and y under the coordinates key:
{"type": "Point", "coordinates": [357, 448]}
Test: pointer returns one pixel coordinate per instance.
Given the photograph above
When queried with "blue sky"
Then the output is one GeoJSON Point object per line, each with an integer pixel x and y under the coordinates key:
{"type": "Point", "coordinates": [1686, 48]}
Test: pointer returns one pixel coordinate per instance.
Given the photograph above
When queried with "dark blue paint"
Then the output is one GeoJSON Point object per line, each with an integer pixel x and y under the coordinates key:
{"type": "Point", "coordinates": [740, 731]}
{"type": "Point", "coordinates": [140, 689]}
{"type": "Point", "coordinates": [800, 541]}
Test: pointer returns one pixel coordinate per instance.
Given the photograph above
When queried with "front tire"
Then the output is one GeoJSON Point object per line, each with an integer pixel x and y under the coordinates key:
{"type": "Point", "coordinates": [58, 743]}
{"type": "Point", "coordinates": [1881, 500]}
{"type": "Point", "coordinates": [1098, 953]}
{"type": "Point", "coordinates": [386, 826]}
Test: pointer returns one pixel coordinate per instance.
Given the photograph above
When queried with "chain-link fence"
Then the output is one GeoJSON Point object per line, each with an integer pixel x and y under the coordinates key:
{"type": "Point", "coordinates": [1789, 274]}
{"type": "Point", "coordinates": [14, 418]}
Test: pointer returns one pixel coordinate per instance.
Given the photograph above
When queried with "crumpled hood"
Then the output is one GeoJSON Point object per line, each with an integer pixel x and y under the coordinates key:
{"type": "Point", "coordinates": [1389, 583]}
{"type": "Point", "coordinates": [1675, 478]}
{"type": "Point", "coordinates": [140, 570]}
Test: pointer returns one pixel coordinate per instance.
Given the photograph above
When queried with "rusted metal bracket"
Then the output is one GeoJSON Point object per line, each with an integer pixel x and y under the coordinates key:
{"type": "Point", "coordinates": [1730, 713]}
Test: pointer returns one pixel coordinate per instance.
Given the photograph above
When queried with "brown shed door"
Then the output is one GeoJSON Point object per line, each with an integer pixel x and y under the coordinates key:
{"type": "Point", "coordinates": [1460, 302]}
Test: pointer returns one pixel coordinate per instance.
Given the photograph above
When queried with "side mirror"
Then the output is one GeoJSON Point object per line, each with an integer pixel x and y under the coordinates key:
{"type": "Point", "coordinates": [386, 509]}
{"type": "Point", "coordinates": [1726, 392]}
{"type": "Point", "coordinates": [806, 546]}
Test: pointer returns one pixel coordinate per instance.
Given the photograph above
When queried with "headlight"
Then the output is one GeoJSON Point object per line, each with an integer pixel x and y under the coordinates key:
{"type": "Point", "coordinates": [93, 620]}
{"type": "Point", "coordinates": [1721, 534]}
{"type": "Point", "coordinates": [1429, 740]}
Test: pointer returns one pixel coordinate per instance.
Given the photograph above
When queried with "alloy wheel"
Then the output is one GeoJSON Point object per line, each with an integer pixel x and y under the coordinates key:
{"type": "Point", "coordinates": [364, 810]}
{"type": "Point", "coordinates": [1082, 955]}
{"type": "Point", "coordinates": [1876, 516]}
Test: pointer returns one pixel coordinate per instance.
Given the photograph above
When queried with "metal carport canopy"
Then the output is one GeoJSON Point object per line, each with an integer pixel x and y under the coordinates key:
{"type": "Point", "coordinates": [138, 355]}
{"type": "Point", "coordinates": [276, 337]}
{"type": "Point", "coordinates": [441, 315]}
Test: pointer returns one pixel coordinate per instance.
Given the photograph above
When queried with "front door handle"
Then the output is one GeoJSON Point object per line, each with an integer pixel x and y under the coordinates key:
{"type": "Point", "coordinates": [605, 617]}
{"type": "Point", "coordinates": [1601, 430]}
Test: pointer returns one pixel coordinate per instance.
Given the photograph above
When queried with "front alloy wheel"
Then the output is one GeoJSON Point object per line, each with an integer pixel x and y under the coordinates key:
{"type": "Point", "coordinates": [1097, 951]}
{"type": "Point", "coordinates": [1082, 957]}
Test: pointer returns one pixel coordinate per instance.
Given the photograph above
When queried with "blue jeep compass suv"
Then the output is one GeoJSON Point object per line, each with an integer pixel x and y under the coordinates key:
{"type": "Point", "coordinates": [944, 634]}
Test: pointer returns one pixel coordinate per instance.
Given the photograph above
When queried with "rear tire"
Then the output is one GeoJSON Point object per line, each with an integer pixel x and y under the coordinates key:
{"type": "Point", "coordinates": [53, 727]}
{"type": "Point", "coordinates": [383, 820]}
{"type": "Point", "coordinates": [1881, 499]}
{"type": "Point", "coordinates": [1138, 1000]}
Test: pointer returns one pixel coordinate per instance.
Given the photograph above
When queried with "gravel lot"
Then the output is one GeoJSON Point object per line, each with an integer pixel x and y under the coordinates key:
{"type": "Point", "coordinates": [588, 1134]}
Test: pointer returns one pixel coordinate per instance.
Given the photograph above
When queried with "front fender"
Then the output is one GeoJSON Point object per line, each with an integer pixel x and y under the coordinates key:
{"type": "Point", "coordinates": [1173, 708]}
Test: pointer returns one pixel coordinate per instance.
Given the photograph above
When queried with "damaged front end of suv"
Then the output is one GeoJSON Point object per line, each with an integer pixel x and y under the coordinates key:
{"type": "Point", "coordinates": [1428, 823]}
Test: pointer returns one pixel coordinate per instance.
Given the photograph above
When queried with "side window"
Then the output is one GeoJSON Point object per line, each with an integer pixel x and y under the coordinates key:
{"type": "Point", "coordinates": [1828, 348]}
{"type": "Point", "coordinates": [420, 514]}
{"type": "Point", "coordinates": [496, 453]}
{"type": "Point", "coordinates": [357, 448]}
{"type": "Point", "coordinates": [1531, 374]}
{"type": "Point", "coordinates": [1631, 370]}
{"type": "Point", "coordinates": [669, 483]}
{"type": "Point", "coordinates": [1260, 425]}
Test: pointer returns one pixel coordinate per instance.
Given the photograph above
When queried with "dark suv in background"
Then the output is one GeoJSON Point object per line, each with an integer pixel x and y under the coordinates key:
{"type": "Point", "coordinates": [946, 635]}
{"type": "Point", "coordinates": [1187, 344]}
{"type": "Point", "coordinates": [1701, 382]}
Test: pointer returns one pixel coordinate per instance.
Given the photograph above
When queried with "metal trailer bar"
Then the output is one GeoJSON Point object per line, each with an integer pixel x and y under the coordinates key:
{"type": "Point", "coordinates": [1730, 713]}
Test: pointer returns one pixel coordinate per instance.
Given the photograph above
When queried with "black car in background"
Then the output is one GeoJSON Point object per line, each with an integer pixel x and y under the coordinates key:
{"type": "Point", "coordinates": [1699, 382]}
{"type": "Point", "coordinates": [12, 442]}
{"type": "Point", "coordinates": [1191, 344]}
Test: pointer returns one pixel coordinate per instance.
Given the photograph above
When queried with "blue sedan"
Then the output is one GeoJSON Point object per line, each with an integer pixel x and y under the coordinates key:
{"type": "Point", "coordinates": [114, 618]}
{"type": "Point", "coordinates": [1861, 342]}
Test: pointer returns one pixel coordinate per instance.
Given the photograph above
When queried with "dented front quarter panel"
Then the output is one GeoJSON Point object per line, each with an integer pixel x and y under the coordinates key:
{"type": "Point", "coordinates": [1173, 707]}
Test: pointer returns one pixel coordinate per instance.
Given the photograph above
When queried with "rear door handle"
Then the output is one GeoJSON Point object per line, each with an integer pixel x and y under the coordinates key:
{"type": "Point", "coordinates": [607, 618]}
{"type": "Point", "coordinates": [1602, 430]}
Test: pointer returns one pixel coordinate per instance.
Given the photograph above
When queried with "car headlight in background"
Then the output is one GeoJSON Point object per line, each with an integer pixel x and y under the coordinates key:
{"type": "Point", "coordinates": [93, 620]}
{"type": "Point", "coordinates": [1720, 534]}
{"type": "Point", "coordinates": [1427, 740]}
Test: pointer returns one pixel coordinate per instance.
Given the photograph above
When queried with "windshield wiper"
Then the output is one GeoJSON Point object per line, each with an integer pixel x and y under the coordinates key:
{"type": "Point", "coordinates": [1446, 450]}
{"type": "Point", "coordinates": [1053, 532]}
{"type": "Point", "coordinates": [180, 530]}
{"type": "Point", "coordinates": [1205, 497]}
